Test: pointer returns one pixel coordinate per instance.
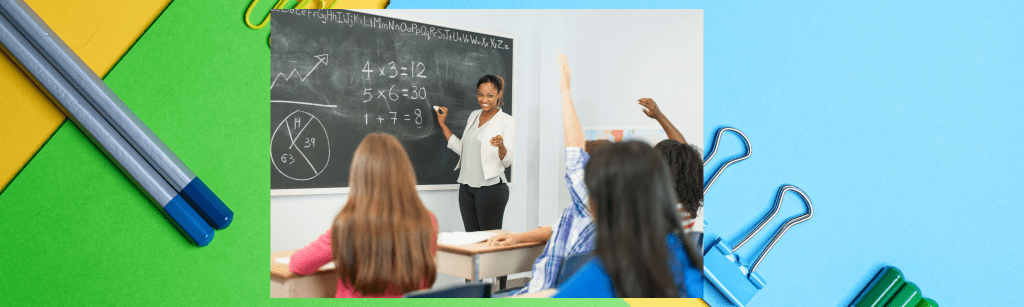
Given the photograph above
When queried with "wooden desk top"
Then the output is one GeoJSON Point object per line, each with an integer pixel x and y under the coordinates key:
{"type": "Point", "coordinates": [281, 269]}
{"type": "Point", "coordinates": [482, 248]}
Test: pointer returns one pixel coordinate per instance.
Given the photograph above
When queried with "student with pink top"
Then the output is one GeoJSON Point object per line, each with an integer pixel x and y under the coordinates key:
{"type": "Point", "coordinates": [384, 240]}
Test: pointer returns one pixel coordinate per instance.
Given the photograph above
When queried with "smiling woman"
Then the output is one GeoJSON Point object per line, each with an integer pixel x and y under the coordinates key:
{"type": "Point", "coordinates": [484, 155]}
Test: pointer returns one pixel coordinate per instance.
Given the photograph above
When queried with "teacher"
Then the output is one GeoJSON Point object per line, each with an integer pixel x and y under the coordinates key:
{"type": "Point", "coordinates": [485, 151]}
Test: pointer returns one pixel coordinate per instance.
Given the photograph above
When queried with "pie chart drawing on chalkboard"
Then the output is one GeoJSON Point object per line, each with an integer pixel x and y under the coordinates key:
{"type": "Point", "coordinates": [299, 147]}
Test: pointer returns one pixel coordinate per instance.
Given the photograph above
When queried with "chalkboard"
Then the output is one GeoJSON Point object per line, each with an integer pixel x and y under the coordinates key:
{"type": "Point", "coordinates": [338, 75]}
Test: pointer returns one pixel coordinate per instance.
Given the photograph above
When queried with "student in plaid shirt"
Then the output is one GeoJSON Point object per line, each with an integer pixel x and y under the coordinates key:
{"type": "Point", "coordinates": [574, 232]}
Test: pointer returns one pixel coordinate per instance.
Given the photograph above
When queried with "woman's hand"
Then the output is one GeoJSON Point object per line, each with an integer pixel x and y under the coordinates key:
{"type": "Point", "coordinates": [442, 114]}
{"type": "Point", "coordinates": [497, 141]}
{"type": "Point", "coordinates": [651, 108]}
{"type": "Point", "coordinates": [563, 83]}
{"type": "Point", "coordinates": [502, 239]}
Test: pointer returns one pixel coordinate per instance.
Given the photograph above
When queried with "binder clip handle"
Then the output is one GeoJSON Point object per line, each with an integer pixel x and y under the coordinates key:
{"type": "Point", "coordinates": [714, 149]}
{"type": "Point", "coordinates": [785, 226]}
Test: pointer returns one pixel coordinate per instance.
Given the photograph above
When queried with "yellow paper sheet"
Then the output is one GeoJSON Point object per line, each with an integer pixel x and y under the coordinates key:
{"type": "Point", "coordinates": [100, 33]}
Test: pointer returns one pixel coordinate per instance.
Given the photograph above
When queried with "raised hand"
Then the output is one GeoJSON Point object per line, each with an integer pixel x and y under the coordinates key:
{"type": "Point", "coordinates": [564, 81]}
{"type": "Point", "coordinates": [650, 108]}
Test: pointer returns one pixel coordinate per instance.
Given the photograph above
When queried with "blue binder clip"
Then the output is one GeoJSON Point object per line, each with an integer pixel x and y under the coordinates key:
{"type": "Point", "coordinates": [723, 267]}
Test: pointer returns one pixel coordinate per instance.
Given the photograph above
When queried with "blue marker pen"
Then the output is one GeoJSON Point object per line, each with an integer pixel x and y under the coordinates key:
{"type": "Point", "coordinates": [172, 205]}
{"type": "Point", "coordinates": [122, 119]}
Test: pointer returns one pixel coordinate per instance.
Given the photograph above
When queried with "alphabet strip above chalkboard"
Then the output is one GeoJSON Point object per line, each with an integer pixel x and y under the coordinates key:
{"type": "Point", "coordinates": [338, 75]}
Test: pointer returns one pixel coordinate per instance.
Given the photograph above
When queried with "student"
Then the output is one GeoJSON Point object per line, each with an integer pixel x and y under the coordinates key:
{"type": "Point", "coordinates": [483, 156]}
{"type": "Point", "coordinates": [686, 167]}
{"type": "Point", "coordinates": [543, 233]}
{"type": "Point", "coordinates": [383, 241]}
{"type": "Point", "coordinates": [640, 246]}
{"type": "Point", "coordinates": [573, 233]}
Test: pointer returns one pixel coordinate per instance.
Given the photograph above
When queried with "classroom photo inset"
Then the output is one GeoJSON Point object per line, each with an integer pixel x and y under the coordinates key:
{"type": "Point", "coordinates": [486, 153]}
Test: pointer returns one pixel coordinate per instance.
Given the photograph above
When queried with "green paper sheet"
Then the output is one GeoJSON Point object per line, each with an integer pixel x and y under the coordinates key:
{"type": "Point", "coordinates": [77, 231]}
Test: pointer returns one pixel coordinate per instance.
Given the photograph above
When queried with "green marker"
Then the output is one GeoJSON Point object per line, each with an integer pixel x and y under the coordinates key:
{"type": "Point", "coordinates": [881, 289]}
{"type": "Point", "coordinates": [908, 296]}
{"type": "Point", "coordinates": [927, 302]}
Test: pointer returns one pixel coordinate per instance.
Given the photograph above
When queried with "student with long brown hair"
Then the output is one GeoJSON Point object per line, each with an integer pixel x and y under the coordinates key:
{"type": "Point", "coordinates": [383, 241]}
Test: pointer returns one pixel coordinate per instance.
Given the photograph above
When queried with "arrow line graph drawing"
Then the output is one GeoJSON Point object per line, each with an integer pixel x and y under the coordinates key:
{"type": "Point", "coordinates": [322, 58]}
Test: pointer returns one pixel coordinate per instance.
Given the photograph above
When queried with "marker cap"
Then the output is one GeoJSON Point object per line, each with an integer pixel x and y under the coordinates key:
{"type": "Point", "coordinates": [188, 221]}
{"type": "Point", "coordinates": [207, 204]}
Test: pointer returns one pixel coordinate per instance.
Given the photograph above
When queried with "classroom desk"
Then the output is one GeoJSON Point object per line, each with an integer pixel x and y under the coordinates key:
{"type": "Point", "coordinates": [478, 261]}
{"type": "Point", "coordinates": [472, 262]}
{"type": "Point", "coordinates": [284, 283]}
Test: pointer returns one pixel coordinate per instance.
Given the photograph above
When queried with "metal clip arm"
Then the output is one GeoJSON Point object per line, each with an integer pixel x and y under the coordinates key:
{"type": "Point", "coordinates": [714, 149]}
{"type": "Point", "coordinates": [788, 224]}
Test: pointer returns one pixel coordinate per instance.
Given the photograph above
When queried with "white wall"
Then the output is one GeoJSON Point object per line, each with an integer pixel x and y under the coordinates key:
{"type": "Point", "coordinates": [617, 57]}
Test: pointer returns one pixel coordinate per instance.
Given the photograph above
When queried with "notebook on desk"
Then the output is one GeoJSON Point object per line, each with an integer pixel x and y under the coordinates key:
{"type": "Point", "coordinates": [463, 238]}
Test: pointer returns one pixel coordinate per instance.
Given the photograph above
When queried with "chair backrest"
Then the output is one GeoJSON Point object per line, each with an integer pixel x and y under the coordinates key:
{"type": "Point", "coordinates": [469, 290]}
{"type": "Point", "coordinates": [571, 265]}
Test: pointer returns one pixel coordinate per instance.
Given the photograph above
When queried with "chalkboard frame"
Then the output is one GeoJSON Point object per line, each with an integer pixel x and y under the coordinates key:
{"type": "Point", "coordinates": [515, 105]}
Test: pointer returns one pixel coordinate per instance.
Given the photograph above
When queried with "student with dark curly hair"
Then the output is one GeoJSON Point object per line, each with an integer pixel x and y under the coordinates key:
{"type": "Point", "coordinates": [686, 168]}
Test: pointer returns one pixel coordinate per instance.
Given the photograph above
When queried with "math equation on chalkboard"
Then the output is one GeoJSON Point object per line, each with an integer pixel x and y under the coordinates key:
{"type": "Point", "coordinates": [394, 117]}
{"type": "Point", "coordinates": [392, 94]}
{"type": "Point", "coordinates": [393, 71]}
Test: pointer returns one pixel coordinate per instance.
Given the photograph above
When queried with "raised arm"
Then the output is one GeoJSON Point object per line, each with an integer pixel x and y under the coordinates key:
{"type": "Point", "coordinates": [575, 159]}
{"type": "Point", "coordinates": [571, 124]}
{"type": "Point", "coordinates": [652, 111]}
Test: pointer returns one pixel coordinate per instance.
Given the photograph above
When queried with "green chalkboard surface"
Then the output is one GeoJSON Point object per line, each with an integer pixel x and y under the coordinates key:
{"type": "Point", "coordinates": [337, 75]}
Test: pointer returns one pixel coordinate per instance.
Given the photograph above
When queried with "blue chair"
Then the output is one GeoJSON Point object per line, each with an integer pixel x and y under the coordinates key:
{"type": "Point", "coordinates": [469, 290]}
{"type": "Point", "coordinates": [570, 266]}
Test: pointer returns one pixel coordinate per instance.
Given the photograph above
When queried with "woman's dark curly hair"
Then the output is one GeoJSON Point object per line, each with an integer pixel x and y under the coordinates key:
{"type": "Point", "coordinates": [686, 167]}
